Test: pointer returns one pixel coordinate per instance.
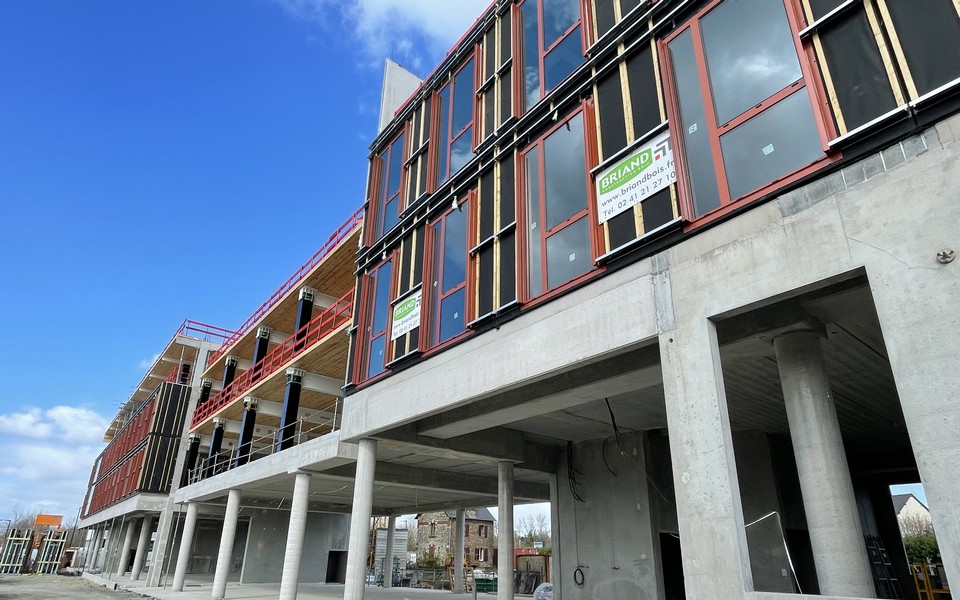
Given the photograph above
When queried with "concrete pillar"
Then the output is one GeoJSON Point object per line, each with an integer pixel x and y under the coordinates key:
{"type": "Point", "coordinates": [216, 442]}
{"type": "Point", "coordinates": [247, 425]}
{"type": "Point", "coordinates": [839, 552]}
{"type": "Point", "coordinates": [388, 552]}
{"type": "Point", "coordinates": [458, 557]}
{"type": "Point", "coordinates": [125, 549]}
{"type": "Point", "coordinates": [186, 544]}
{"type": "Point", "coordinates": [360, 520]}
{"type": "Point", "coordinates": [298, 525]}
{"type": "Point", "coordinates": [287, 432]}
{"type": "Point", "coordinates": [142, 544]}
{"type": "Point", "coordinates": [225, 554]}
{"type": "Point", "coordinates": [505, 532]}
{"type": "Point", "coordinates": [920, 330]}
{"type": "Point", "coordinates": [556, 557]}
{"type": "Point", "coordinates": [716, 562]}
{"type": "Point", "coordinates": [229, 371]}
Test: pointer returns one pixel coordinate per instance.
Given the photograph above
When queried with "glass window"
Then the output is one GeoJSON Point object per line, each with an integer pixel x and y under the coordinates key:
{"type": "Point", "coordinates": [743, 114]}
{"type": "Point", "coordinates": [387, 211]}
{"type": "Point", "coordinates": [449, 275]}
{"type": "Point", "coordinates": [456, 104]}
{"type": "Point", "coordinates": [552, 45]}
{"type": "Point", "coordinates": [558, 224]}
{"type": "Point", "coordinates": [378, 284]}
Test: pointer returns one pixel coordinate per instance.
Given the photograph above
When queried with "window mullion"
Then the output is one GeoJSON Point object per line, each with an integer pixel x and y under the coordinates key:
{"type": "Point", "coordinates": [723, 189]}
{"type": "Point", "coordinates": [542, 185]}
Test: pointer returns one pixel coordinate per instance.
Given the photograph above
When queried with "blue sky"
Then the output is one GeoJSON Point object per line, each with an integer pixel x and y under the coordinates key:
{"type": "Point", "coordinates": [164, 161]}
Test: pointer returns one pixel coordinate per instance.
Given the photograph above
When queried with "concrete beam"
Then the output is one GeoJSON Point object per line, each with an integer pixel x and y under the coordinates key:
{"type": "Point", "coordinates": [470, 502]}
{"type": "Point", "coordinates": [417, 477]}
{"type": "Point", "coordinates": [323, 384]}
{"type": "Point", "coordinates": [323, 301]}
{"type": "Point", "coordinates": [616, 375]}
{"type": "Point", "coordinates": [489, 446]}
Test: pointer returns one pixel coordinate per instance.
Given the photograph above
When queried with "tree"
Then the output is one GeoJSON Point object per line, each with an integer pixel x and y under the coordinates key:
{"type": "Point", "coordinates": [530, 529]}
{"type": "Point", "coordinates": [922, 548]}
{"type": "Point", "coordinates": [911, 525]}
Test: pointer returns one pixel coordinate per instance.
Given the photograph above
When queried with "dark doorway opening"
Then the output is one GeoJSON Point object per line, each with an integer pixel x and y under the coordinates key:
{"type": "Point", "coordinates": [337, 567]}
{"type": "Point", "coordinates": [672, 563]}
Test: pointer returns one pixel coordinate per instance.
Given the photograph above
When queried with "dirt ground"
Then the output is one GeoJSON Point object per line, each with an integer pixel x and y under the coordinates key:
{"type": "Point", "coordinates": [56, 587]}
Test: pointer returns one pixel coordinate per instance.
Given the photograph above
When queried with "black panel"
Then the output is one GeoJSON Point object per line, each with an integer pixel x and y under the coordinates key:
{"type": "Point", "coordinates": [421, 176]}
{"type": "Point", "coordinates": [426, 116]}
{"type": "Point", "coordinates": [643, 91]}
{"type": "Point", "coordinates": [623, 229]}
{"type": "Point", "coordinates": [418, 261]}
{"type": "Point", "coordinates": [929, 32]}
{"type": "Point", "coordinates": [415, 130]}
{"type": "Point", "coordinates": [508, 268]}
{"type": "Point", "coordinates": [506, 38]}
{"type": "Point", "coordinates": [508, 209]}
{"type": "Point", "coordinates": [613, 129]}
{"type": "Point", "coordinates": [822, 7]}
{"type": "Point", "coordinates": [400, 346]}
{"type": "Point", "coordinates": [657, 210]}
{"type": "Point", "coordinates": [605, 15]}
{"type": "Point", "coordinates": [486, 205]}
{"type": "Point", "coordinates": [628, 5]}
{"type": "Point", "coordinates": [413, 340]}
{"type": "Point", "coordinates": [485, 281]}
{"type": "Point", "coordinates": [490, 53]}
{"type": "Point", "coordinates": [489, 116]}
{"type": "Point", "coordinates": [856, 68]}
{"type": "Point", "coordinates": [506, 96]}
{"type": "Point", "coordinates": [406, 263]}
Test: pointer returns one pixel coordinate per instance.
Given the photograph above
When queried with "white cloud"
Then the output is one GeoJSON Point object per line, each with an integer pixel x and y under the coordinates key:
{"type": "Point", "coordinates": [147, 362]}
{"type": "Point", "coordinates": [48, 454]}
{"type": "Point", "coordinates": [415, 33]}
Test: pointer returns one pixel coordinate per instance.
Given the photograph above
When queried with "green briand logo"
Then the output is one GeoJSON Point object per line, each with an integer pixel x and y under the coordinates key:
{"type": "Point", "coordinates": [626, 171]}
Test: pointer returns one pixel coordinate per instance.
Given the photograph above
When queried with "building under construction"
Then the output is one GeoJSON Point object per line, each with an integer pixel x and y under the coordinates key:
{"type": "Point", "coordinates": [683, 269]}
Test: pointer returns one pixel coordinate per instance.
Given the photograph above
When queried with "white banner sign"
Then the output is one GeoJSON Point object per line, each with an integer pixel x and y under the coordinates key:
{"type": "Point", "coordinates": [644, 172]}
{"type": "Point", "coordinates": [406, 316]}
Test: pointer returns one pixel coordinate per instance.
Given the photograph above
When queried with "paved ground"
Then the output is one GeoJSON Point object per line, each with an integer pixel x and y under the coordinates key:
{"type": "Point", "coordinates": [55, 587]}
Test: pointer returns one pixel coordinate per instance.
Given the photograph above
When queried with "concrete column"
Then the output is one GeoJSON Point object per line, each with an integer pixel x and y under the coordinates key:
{"type": "Point", "coordinates": [186, 545]}
{"type": "Point", "coordinates": [125, 549]}
{"type": "Point", "coordinates": [225, 554]}
{"type": "Point", "coordinates": [229, 371]}
{"type": "Point", "coordinates": [555, 558]}
{"type": "Point", "coordinates": [458, 557]}
{"type": "Point", "coordinates": [505, 532]}
{"type": "Point", "coordinates": [142, 544]}
{"type": "Point", "coordinates": [716, 563]}
{"type": "Point", "coordinates": [216, 442]}
{"type": "Point", "coordinates": [298, 525]}
{"type": "Point", "coordinates": [247, 425]}
{"type": "Point", "coordinates": [287, 432]}
{"type": "Point", "coordinates": [360, 520]}
{"type": "Point", "coordinates": [839, 552]}
{"type": "Point", "coordinates": [920, 330]}
{"type": "Point", "coordinates": [388, 552]}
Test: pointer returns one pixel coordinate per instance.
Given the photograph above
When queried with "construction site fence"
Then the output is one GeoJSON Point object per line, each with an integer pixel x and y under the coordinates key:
{"type": "Point", "coordinates": [29, 551]}
{"type": "Point", "coordinates": [931, 581]}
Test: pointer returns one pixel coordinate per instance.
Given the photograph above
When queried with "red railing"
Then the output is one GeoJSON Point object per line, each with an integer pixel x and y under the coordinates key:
{"type": "Point", "coordinates": [317, 329]}
{"type": "Point", "coordinates": [332, 242]}
{"type": "Point", "coordinates": [205, 332]}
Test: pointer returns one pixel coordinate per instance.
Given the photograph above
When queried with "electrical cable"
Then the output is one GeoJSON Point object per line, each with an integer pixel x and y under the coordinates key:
{"type": "Point", "coordinates": [603, 453]}
{"type": "Point", "coordinates": [572, 474]}
{"type": "Point", "coordinates": [623, 454]}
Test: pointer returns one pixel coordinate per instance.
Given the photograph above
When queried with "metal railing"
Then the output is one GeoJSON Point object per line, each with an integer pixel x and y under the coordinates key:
{"type": "Point", "coordinates": [263, 446]}
{"type": "Point", "coordinates": [342, 233]}
{"type": "Point", "coordinates": [317, 329]}
{"type": "Point", "coordinates": [205, 332]}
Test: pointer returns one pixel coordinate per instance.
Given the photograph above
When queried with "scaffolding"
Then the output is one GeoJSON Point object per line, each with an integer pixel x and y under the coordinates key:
{"type": "Point", "coordinates": [15, 550]}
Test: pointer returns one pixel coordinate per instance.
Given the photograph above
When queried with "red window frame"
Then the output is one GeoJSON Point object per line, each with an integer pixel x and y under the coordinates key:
{"type": "Point", "coordinates": [371, 281]}
{"type": "Point", "coordinates": [808, 80]}
{"type": "Point", "coordinates": [589, 212]}
{"type": "Point", "coordinates": [430, 335]}
{"type": "Point", "coordinates": [445, 135]}
{"type": "Point", "coordinates": [381, 174]}
{"type": "Point", "coordinates": [519, 71]}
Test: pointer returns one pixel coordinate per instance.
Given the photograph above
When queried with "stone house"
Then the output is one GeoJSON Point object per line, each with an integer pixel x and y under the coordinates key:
{"type": "Point", "coordinates": [436, 537]}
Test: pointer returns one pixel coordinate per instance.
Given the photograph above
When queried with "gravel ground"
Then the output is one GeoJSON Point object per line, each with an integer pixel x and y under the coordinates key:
{"type": "Point", "coordinates": [56, 587]}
